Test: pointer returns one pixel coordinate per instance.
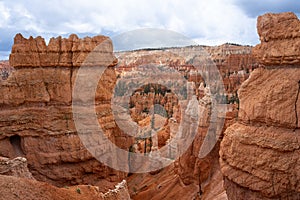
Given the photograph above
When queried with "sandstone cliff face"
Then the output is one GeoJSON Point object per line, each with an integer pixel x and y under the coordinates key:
{"type": "Point", "coordinates": [259, 155]}
{"type": "Point", "coordinates": [279, 35]}
{"type": "Point", "coordinates": [36, 114]}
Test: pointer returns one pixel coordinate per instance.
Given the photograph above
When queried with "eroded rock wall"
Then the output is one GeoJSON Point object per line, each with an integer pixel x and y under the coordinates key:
{"type": "Point", "coordinates": [17, 182]}
{"type": "Point", "coordinates": [63, 52]}
{"type": "Point", "coordinates": [259, 155]}
{"type": "Point", "coordinates": [36, 118]}
{"type": "Point", "coordinates": [279, 35]}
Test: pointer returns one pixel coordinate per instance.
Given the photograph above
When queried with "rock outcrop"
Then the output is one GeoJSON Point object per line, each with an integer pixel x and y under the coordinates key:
{"type": "Point", "coordinates": [36, 119]}
{"type": "Point", "coordinates": [279, 35]}
{"type": "Point", "coordinates": [16, 167]}
{"type": "Point", "coordinates": [259, 155]}
{"type": "Point", "coordinates": [17, 182]}
{"type": "Point", "coordinates": [60, 52]}
{"type": "Point", "coordinates": [14, 188]}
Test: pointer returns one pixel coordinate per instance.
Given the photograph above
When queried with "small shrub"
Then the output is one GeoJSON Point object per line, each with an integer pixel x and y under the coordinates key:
{"type": "Point", "coordinates": [78, 190]}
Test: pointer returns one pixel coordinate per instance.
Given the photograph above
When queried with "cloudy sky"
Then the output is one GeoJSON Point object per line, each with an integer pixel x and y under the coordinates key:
{"type": "Point", "coordinates": [210, 22]}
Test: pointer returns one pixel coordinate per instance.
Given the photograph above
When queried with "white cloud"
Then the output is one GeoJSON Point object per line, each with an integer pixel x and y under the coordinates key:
{"type": "Point", "coordinates": [79, 27]}
{"type": "Point", "coordinates": [4, 15]}
{"type": "Point", "coordinates": [207, 22]}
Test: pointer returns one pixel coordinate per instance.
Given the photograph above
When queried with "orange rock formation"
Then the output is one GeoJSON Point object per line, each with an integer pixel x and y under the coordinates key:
{"type": "Point", "coordinates": [259, 155]}
{"type": "Point", "coordinates": [279, 36]}
{"type": "Point", "coordinates": [36, 113]}
{"type": "Point", "coordinates": [17, 183]}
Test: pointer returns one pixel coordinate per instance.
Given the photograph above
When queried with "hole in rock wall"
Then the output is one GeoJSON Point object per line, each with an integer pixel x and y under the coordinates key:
{"type": "Point", "coordinates": [15, 141]}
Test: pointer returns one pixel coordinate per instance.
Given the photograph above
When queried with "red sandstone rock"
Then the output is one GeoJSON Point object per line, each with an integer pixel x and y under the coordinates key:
{"type": "Point", "coordinates": [269, 97]}
{"type": "Point", "coordinates": [14, 188]}
{"type": "Point", "coordinates": [16, 182]}
{"type": "Point", "coordinates": [36, 106]}
{"type": "Point", "coordinates": [259, 155]}
{"type": "Point", "coordinates": [271, 135]}
{"type": "Point", "coordinates": [280, 39]}
{"type": "Point", "coordinates": [61, 52]}
{"type": "Point", "coordinates": [271, 168]}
